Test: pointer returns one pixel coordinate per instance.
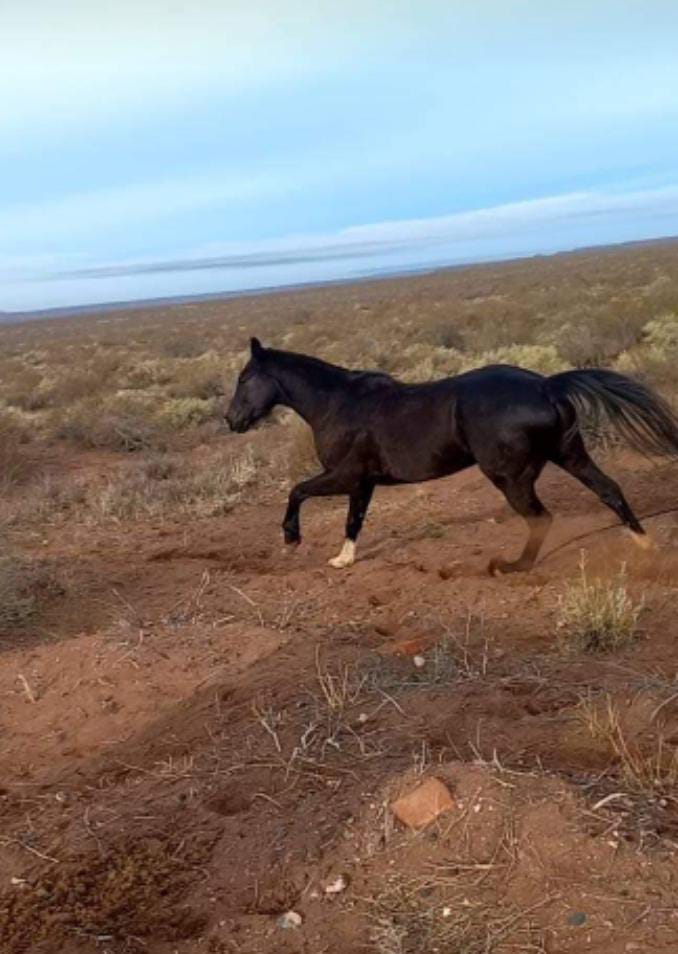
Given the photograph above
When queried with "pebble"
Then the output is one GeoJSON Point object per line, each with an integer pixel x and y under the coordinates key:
{"type": "Point", "coordinates": [335, 885]}
{"type": "Point", "coordinates": [419, 661]}
{"type": "Point", "coordinates": [290, 919]}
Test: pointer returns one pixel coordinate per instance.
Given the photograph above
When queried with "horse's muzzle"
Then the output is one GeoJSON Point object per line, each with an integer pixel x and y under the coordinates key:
{"type": "Point", "coordinates": [238, 425]}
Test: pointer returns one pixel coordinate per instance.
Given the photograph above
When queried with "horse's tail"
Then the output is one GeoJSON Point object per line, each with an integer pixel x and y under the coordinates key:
{"type": "Point", "coordinates": [642, 418]}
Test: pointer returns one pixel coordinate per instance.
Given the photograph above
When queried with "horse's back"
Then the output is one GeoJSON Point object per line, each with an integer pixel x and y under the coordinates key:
{"type": "Point", "coordinates": [422, 431]}
{"type": "Point", "coordinates": [504, 409]}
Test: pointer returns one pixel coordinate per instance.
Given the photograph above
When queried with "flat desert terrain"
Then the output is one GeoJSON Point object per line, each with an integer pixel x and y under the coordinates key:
{"type": "Point", "coordinates": [202, 735]}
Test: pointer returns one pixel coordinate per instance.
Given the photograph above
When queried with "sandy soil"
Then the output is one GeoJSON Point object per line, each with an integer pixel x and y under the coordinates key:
{"type": "Point", "coordinates": [204, 729]}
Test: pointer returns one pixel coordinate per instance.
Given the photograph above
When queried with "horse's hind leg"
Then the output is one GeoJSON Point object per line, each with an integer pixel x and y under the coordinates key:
{"type": "Point", "coordinates": [521, 495]}
{"type": "Point", "coordinates": [359, 501]}
{"type": "Point", "coordinates": [574, 459]}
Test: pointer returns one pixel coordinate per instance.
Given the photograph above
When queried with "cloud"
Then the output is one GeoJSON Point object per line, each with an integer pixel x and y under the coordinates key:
{"type": "Point", "coordinates": [543, 225]}
{"type": "Point", "coordinates": [536, 221]}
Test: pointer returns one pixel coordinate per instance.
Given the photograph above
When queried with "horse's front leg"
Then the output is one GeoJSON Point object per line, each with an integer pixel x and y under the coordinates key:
{"type": "Point", "coordinates": [359, 501]}
{"type": "Point", "coordinates": [344, 480]}
{"type": "Point", "coordinates": [327, 484]}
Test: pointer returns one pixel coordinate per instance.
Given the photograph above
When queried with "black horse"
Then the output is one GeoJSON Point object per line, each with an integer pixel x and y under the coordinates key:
{"type": "Point", "coordinates": [370, 429]}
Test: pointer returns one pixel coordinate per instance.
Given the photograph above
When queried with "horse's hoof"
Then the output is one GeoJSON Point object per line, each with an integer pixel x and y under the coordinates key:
{"type": "Point", "coordinates": [499, 567]}
{"type": "Point", "coordinates": [644, 541]}
{"type": "Point", "coordinates": [345, 558]}
{"type": "Point", "coordinates": [292, 539]}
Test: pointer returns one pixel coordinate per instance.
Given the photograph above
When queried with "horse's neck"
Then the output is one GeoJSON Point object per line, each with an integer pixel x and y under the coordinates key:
{"type": "Point", "coordinates": [308, 389]}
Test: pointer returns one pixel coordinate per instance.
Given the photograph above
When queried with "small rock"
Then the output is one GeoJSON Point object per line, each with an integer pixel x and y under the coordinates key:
{"type": "Point", "coordinates": [410, 645]}
{"type": "Point", "coordinates": [423, 804]}
{"type": "Point", "coordinates": [447, 912]}
{"type": "Point", "coordinates": [419, 661]}
{"type": "Point", "coordinates": [577, 918]}
{"type": "Point", "coordinates": [291, 919]}
{"type": "Point", "coordinates": [335, 885]}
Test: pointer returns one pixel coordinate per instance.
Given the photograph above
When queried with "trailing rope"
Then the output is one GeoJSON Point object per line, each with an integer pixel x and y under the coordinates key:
{"type": "Point", "coordinates": [610, 526]}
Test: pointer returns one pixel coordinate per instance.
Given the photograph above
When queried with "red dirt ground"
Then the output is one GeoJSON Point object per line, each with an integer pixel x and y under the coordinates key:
{"type": "Point", "coordinates": [204, 729]}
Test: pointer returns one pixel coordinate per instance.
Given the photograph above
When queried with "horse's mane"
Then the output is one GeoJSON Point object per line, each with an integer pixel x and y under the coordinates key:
{"type": "Point", "coordinates": [323, 372]}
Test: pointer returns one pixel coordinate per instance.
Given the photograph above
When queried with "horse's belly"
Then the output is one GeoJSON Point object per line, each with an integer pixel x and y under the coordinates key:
{"type": "Point", "coordinates": [417, 460]}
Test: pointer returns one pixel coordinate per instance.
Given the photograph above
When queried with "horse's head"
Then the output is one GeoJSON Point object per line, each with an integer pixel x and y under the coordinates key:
{"type": "Point", "coordinates": [256, 393]}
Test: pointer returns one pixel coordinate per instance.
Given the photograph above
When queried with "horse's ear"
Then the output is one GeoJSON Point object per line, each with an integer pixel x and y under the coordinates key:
{"type": "Point", "coordinates": [256, 347]}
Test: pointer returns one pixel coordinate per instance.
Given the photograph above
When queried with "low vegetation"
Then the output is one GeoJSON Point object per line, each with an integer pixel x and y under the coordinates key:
{"type": "Point", "coordinates": [24, 585]}
{"type": "Point", "coordinates": [598, 615]}
{"type": "Point", "coordinates": [15, 466]}
{"type": "Point", "coordinates": [144, 391]}
{"type": "Point", "coordinates": [635, 736]}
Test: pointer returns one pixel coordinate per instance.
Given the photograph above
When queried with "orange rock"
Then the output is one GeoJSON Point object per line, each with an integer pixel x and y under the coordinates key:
{"type": "Point", "coordinates": [423, 804]}
{"type": "Point", "coordinates": [412, 646]}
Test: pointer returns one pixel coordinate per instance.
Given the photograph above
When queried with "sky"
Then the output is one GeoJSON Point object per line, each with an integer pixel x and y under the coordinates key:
{"type": "Point", "coordinates": [151, 148]}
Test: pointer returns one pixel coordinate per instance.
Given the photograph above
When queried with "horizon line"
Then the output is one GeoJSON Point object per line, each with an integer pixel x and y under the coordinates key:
{"type": "Point", "coordinates": [376, 275]}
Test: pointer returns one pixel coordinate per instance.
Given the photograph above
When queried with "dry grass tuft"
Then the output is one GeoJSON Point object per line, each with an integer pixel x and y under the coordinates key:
{"type": "Point", "coordinates": [452, 658]}
{"type": "Point", "coordinates": [646, 761]}
{"type": "Point", "coordinates": [423, 915]}
{"type": "Point", "coordinates": [123, 424]}
{"type": "Point", "coordinates": [23, 586]}
{"type": "Point", "coordinates": [201, 378]}
{"type": "Point", "coordinates": [131, 421]}
{"type": "Point", "coordinates": [167, 484]}
{"type": "Point", "coordinates": [14, 463]}
{"type": "Point", "coordinates": [597, 615]}
{"type": "Point", "coordinates": [595, 336]}
{"type": "Point", "coordinates": [302, 460]}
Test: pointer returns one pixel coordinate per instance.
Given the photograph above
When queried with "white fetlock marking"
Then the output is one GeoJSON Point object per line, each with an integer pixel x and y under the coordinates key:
{"type": "Point", "coordinates": [643, 540]}
{"type": "Point", "coordinates": [346, 557]}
